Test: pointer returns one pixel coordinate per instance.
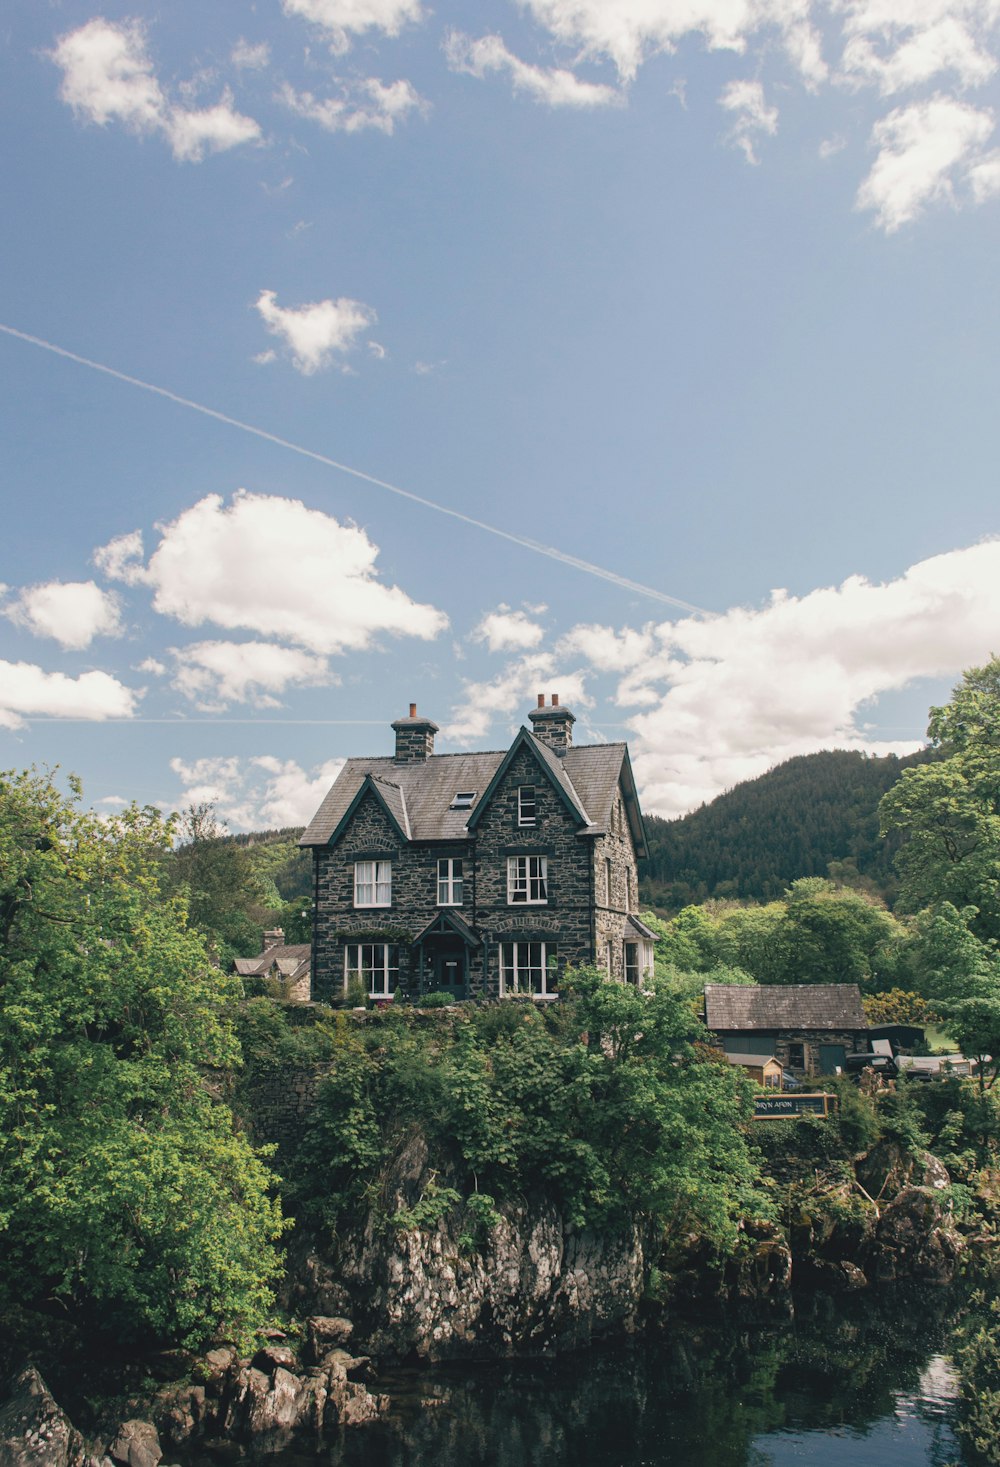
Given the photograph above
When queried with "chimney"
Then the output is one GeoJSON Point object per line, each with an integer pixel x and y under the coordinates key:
{"type": "Point", "coordinates": [274, 938]}
{"type": "Point", "coordinates": [414, 738]}
{"type": "Point", "coordinates": [552, 725]}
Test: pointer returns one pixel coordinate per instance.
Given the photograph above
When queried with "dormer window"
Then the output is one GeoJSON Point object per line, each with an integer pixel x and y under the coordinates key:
{"type": "Point", "coordinates": [527, 805]}
{"type": "Point", "coordinates": [464, 800]}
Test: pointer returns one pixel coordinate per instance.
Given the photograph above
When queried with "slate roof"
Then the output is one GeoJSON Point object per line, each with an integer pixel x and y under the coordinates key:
{"type": "Point", "coordinates": [420, 792]}
{"type": "Point", "coordinates": [784, 1006]}
{"type": "Point", "coordinates": [292, 959]}
{"type": "Point", "coordinates": [635, 928]}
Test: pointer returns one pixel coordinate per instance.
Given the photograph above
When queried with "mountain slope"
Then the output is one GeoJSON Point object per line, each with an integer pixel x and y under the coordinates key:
{"type": "Point", "coordinates": [803, 817]}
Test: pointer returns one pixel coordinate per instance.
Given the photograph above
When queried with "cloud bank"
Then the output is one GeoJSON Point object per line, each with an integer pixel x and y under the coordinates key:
{"type": "Point", "coordinates": [272, 566]}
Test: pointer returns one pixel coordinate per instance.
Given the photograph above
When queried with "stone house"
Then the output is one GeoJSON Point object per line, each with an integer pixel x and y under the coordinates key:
{"type": "Point", "coordinates": [286, 962]}
{"type": "Point", "coordinates": [478, 875]}
{"type": "Point", "coordinates": [809, 1028]}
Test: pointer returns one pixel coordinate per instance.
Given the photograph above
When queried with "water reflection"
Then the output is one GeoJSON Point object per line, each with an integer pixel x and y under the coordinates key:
{"type": "Point", "coordinates": [853, 1382]}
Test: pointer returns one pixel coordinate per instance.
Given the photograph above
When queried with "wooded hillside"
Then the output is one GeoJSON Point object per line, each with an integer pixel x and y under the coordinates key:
{"type": "Point", "coordinates": [816, 815]}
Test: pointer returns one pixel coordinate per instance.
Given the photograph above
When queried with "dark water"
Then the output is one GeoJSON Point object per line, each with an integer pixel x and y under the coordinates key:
{"type": "Point", "coordinates": [865, 1382]}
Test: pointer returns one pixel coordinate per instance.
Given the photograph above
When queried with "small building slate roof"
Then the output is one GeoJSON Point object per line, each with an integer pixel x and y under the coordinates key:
{"type": "Point", "coordinates": [784, 1006]}
{"type": "Point", "coordinates": [420, 792]}
{"type": "Point", "coordinates": [756, 1061]}
{"type": "Point", "coordinates": [292, 958]}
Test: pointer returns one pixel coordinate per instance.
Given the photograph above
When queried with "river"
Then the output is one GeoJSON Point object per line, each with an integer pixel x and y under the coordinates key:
{"type": "Point", "coordinates": [863, 1382]}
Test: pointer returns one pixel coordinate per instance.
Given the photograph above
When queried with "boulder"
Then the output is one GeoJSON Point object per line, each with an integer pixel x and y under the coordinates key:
{"type": "Point", "coordinates": [34, 1430]}
{"type": "Point", "coordinates": [916, 1238]}
{"type": "Point", "coordinates": [136, 1445]}
{"type": "Point", "coordinates": [325, 1332]}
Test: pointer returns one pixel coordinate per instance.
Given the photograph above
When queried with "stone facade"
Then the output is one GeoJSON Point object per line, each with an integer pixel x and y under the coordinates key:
{"type": "Point", "coordinates": [525, 822]}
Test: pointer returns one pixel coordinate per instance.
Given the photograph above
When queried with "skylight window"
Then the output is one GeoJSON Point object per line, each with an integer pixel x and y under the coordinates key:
{"type": "Point", "coordinates": [464, 800]}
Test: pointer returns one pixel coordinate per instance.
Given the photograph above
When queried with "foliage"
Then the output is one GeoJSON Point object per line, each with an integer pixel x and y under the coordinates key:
{"type": "Point", "coordinates": [978, 1359]}
{"type": "Point", "coordinates": [600, 1102]}
{"type": "Point", "coordinates": [217, 881]}
{"type": "Point", "coordinates": [126, 1195]}
{"type": "Point", "coordinates": [898, 1006]}
{"type": "Point", "coordinates": [815, 815]}
{"type": "Point", "coordinates": [819, 933]}
{"type": "Point", "coordinates": [948, 812]}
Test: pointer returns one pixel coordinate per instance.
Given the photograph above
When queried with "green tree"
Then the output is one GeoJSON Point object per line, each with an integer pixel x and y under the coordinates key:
{"type": "Point", "coordinates": [126, 1193]}
{"type": "Point", "coordinates": [948, 812]}
{"type": "Point", "coordinates": [217, 877]}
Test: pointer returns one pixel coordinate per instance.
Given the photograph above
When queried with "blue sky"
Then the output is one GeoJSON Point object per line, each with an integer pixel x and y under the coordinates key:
{"type": "Point", "coordinates": [700, 294]}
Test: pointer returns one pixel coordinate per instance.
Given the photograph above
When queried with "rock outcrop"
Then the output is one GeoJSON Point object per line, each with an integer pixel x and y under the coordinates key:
{"type": "Point", "coordinates": [34, 1430]}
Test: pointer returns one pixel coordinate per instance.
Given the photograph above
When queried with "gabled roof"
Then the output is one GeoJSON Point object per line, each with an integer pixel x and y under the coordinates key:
{"type": "Point", "coordinates": [636, 928]}
{"type": "Point", "coordinates": [783, 1006]}
{"type": "Point", "coordinates": [551, 766]}
{"type": "Point", "coordinates": [448, 920]}
{"type": "Point", "coordinates": [586, 778]}
{"type": "Point", "coordinates": [290, 958]}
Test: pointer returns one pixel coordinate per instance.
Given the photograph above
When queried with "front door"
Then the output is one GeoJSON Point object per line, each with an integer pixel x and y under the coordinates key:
{"type": "Point", "coordinates": [831, 1058]}
{"type": "Point", "coordinates": [447, 965]}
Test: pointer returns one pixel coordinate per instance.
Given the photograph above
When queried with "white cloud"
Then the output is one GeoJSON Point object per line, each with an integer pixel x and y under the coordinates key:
{"type": "Point", "coordinates": [73, 613]}
{"type": "Point", "coordinates": [258, 793]}
{"type": "Point", "coordinates": [122, 559]}
{"type": "Point", "coordinates": [215, 129]}
{"type": "Point", "coordinates": [27, 691]}
{"type": "Point", "coordinates": [753, 115]}
{"type": "Point", "coordinates": [313, 333]}
{"type": "Point", "coordinates": [368, 103]}
{"type": "Point", "coordinates": [923, 149]}
{"type": "Point", "coordinates": [504, 630]}
{"type": "Point", "coordinates": [153, 666]}
{"type": "Point", "coordinates": [272, 566]}
{"type": "Point", "coordinates": [554, 86]}
{"type": "Point", "coordinates": [628, 31]}
{"type": "Point", "coordinates": [729, 696]}
{"type": "Point", "coordinates": [108, 76]}
{"type": "Point", "coordinates": [247, 56]}
{"type": "Point", "coordinates": [215, 674]}
{"type": "Point", "coordinates": [512, 692]}
{"type": "Point", "coordinates": [342, 19]}
{"type": "Point", "coordinates": [900, 44]}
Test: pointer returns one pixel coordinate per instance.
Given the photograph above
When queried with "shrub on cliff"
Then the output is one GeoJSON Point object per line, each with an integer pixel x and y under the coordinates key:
{"type": "Point", "coordinates": [600, 1103]}
{"type": "Point", "coordinates": [127, 1197]}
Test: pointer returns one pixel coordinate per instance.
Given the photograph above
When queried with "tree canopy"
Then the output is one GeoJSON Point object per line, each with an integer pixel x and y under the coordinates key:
{"type": "Point", "coordinates": [125, 1189]}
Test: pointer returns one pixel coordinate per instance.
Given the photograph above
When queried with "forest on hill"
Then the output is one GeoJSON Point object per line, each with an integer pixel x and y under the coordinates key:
{"type": "Point", "coordinates": [815, 815]}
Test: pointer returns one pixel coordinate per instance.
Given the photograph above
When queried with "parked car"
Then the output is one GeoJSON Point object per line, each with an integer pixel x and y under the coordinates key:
{"type": "Point", "coordinates": [881, 1064]}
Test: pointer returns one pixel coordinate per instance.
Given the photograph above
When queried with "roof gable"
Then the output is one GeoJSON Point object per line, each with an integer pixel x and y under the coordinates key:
{"type": "Point", "coordinates": [783, 1006]}
{"type": "Point", "coordinates": [550, 765]}
{"type": "Point", "coordinates": [388, 795]}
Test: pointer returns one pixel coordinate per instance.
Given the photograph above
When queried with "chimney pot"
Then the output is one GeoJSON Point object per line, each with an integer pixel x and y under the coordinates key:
{"type": "Point", "coordinates": [413, 710]}
{"type": "Point", "coordinates": [541, 699]}
{"type": "Point", "coordinates": [555, 700]}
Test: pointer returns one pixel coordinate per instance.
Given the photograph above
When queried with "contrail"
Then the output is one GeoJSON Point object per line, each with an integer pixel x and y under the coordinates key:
{"type": "Point", "coordinates": [526, 544]}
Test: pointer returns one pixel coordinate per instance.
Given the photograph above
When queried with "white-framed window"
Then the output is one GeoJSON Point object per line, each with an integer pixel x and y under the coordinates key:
{"type": "Point", "coordinates": [373, 883]}
{"type": "Point", "coordinates": [449, 882]}
{"type": "Point", "coordinates": [527, 879]}
{"type": "Point", "coordinates": [632, 973]}
{"type": "Point", "coordinates": [376, 964]}
{"type": "Point", "coordinates": [528, 967]}
{"type": "Point", "coordinates": [527, 805]}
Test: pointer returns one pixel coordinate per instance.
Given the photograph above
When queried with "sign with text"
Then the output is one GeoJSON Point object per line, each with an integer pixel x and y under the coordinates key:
{"type": "Point", "coordinates": [790, 1107]}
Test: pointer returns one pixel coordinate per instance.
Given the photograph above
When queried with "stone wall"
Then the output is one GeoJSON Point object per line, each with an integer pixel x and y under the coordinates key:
{"type": "Point", "coordinates": [612, 909]}
{"type": "Point", "coordinates": [566, 918]}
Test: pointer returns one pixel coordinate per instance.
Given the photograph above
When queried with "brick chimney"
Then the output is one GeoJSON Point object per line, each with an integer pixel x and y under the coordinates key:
{"type": "Point", "coordinates": [552, 725]}
{"type": "Point", "coordinates": [274, 938]}
{"type": "Point", "coordinates": [414, 738]}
